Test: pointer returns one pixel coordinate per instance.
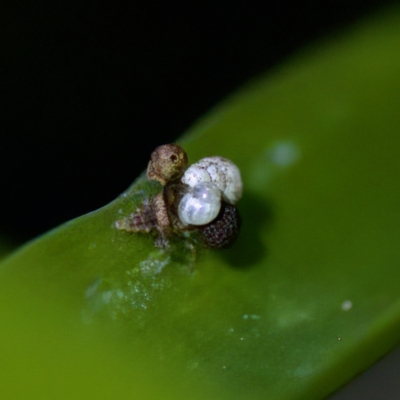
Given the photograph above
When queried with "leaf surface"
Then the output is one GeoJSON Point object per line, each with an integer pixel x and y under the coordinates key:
{"type": "Point", "coordinates": [307, 297]}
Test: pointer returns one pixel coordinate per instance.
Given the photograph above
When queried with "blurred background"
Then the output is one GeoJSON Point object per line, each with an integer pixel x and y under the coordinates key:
{"type": "Point", "coordinates": [89, 88]}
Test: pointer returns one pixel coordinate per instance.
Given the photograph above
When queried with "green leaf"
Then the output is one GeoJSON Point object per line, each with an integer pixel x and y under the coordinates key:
{"type": "Point", "coordinates": [307, 298]}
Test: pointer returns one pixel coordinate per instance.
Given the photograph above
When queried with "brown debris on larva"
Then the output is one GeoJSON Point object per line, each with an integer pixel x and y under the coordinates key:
{"type": "Point", "coordinates": [203, 202]}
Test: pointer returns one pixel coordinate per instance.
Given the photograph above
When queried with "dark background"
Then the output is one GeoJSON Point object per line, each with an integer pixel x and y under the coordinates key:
{"type": "Point", "coordinates": [89, 88]}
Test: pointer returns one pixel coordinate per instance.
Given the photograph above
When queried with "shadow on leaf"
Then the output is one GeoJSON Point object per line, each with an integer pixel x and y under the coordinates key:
{"type": "Point", "coordinates": [257, 216]}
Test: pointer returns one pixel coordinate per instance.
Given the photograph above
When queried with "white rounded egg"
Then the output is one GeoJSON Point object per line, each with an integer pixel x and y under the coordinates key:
{"type": "Point", "coordinates": [221, 171]}
{"type": "Point", "coordinates": [201, 205]}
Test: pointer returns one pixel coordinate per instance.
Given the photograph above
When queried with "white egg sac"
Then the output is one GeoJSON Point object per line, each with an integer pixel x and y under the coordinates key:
{"type": "Point", "coordinates": [201, 205]}
{"type": "Point", "coordinates": [221, 171]}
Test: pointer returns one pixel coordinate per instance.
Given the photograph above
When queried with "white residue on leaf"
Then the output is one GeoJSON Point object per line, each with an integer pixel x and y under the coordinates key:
{"type": "Point", "coordinates": [91, 290]}
{"type": "Point", "coordinates": [283, 154]}
{"type": "Point", "coordinates": [133, 293]}
{"type": "Point", "coordinates": [107, 296]}
{"type": "Point", "coordinates": [303, 370]}
{"type": "Point", "coordinates": [142, 283]}
{"type": "Point", "coordinates": [193, 364]}
{"type": "Point", "coordinates": [94, 300]}
{"type": "Point", "coordinates": [153, 266]}
{"type": "Point", "coordinates": [251, 316]}
{"type": "Point", "coordinates": [347, 305]}
{"type": "Point", "coordinates": [289, 313]}
{"type": "Point", "coordinates": [293, 318]}
{"type": "Point", "coordinates": [276, 157]}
